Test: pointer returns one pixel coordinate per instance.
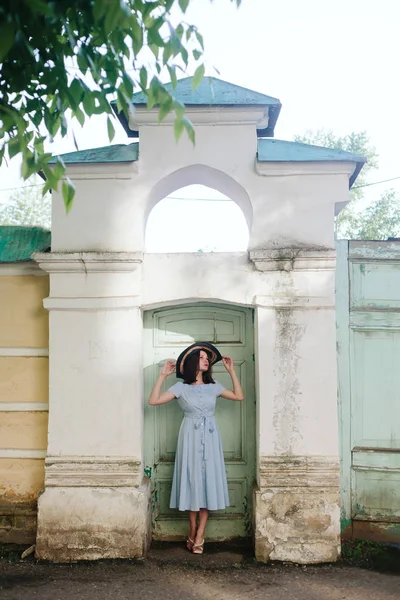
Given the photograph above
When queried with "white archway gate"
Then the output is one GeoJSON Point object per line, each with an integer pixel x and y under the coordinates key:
{"type": "Point", "coordinates": [97, 497]}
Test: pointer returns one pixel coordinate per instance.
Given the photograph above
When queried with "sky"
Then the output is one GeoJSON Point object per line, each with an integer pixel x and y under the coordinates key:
{"type": "Point", "coordinates": [333, 65]}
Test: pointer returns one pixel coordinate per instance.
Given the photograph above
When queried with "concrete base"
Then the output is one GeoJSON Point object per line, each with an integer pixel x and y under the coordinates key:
{"type": "Point", "coordinates": [298, 523]}
{"type": "Point", "coordinates": [92, 509]}
{"type": "Point", "coordinates": [89, 524]}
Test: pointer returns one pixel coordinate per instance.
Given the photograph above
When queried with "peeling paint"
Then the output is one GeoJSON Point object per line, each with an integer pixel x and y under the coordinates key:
{"type": "Point", "coordinates": [301, 525]}
{"type": "Point", "coordinates": [89, 524]}
{"type": "Point", "coordinates": [286, 405]}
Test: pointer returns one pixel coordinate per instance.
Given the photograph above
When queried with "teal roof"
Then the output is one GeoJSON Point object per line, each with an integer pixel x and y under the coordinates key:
{"type": "Point", "coordinates": [18, 243]}
{"type": "Point", "coordinates": [118, 153]}
{"type": "Point", "coordinates": [212, 92]}
{"type": "Point", "coordinates": [269, 150]}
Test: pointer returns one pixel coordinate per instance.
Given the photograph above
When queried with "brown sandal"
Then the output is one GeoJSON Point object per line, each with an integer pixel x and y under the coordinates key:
{"type": "Point", "coordinates": [200, 548]}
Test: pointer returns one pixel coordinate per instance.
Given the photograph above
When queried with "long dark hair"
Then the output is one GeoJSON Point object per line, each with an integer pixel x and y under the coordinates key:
{"type": "Point", "coordinates": [191, 367]}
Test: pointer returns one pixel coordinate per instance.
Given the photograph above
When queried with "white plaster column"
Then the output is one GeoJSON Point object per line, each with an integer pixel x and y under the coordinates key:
{"type": "Point", "coordinates": [96, 499]}
{"type": "Point", "coordinates": [297, 499]}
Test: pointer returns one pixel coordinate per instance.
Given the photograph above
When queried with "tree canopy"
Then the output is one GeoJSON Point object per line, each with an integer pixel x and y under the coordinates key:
{"type": "Point", "coordinates": [76, 57]}
{"type": "Point", "coordinates": [380, 219]}
{"type": "Point", "coordinates": [28, 206]}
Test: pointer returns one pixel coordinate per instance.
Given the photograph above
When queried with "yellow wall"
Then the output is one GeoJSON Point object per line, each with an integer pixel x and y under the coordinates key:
{"type": "Point", "coordinates": [23, 320]}
{"type": "Point", "coordinates": [21, 479]}
{"type": "Point", "coordinates": [23, 379]}
{"type": "Point", "coordinates": [23, 430]}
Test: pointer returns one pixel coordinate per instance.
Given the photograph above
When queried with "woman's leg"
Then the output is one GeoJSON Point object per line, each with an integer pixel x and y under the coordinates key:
{"type": "Point", "coordinates": [193, 524]}
{"type": "Point", "coordinates": [202, 526]}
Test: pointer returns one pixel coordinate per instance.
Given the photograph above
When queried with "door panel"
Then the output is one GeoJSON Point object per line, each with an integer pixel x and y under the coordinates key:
{"type": "Point", "coordinates": [167, 333]}
{"type": "Point", "coordinates": [368, 302]}
{"type": "Point", "coordinates": [376, 388]}
{"type": "Point", "coordinates": [204, 324]}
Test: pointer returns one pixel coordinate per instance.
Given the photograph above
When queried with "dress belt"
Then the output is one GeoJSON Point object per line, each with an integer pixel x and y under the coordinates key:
{"type": "Point", "coordinates": [207, 421]}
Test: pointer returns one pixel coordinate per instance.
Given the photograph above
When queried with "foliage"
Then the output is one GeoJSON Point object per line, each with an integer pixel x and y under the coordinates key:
{"type": "Point", "coordinates": [381, 219]}
{"type": "Point", "coordinates": [28, 206]}
{"type": "Point", "coordinates": [79, 56]}
{"type": "Point", "coordinates": [356, 143]}
{"type": "Point", "coordinates": [371, 555]}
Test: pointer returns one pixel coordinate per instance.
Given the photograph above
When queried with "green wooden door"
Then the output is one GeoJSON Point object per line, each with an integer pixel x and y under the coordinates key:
{"type": "Point", "coordinates": [368, 318]}
{"type": "Point", "coordinates": [166, 333]}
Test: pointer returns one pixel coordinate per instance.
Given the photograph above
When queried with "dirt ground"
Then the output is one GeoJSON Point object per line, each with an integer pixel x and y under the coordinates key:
{"type": "Point", "coordinates": [172, 573]}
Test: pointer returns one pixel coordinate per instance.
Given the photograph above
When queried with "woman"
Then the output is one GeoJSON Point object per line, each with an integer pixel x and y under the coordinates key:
{"type": "Point", "coordinates": [199, 483]}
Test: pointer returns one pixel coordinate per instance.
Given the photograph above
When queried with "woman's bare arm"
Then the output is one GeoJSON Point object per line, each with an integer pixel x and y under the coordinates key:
{"type": "Point", "coordinates": [237, 393]}
{"type": "Point", "coordinates": [156, 397]}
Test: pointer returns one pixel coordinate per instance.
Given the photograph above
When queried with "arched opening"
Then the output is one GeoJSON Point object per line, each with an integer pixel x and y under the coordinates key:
{"type": "Point", "coordinates": [196, 219]}
{"type": "Point", "coordinates": [198, 209]}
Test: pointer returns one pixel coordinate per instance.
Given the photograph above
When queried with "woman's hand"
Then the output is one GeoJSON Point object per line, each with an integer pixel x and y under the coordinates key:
{"type": "Point", "coordinates": [228, 364]}
{"type": "Point", "coordinates": [237, 392]}
{"type": "Point", "coordinates": [168, 368]}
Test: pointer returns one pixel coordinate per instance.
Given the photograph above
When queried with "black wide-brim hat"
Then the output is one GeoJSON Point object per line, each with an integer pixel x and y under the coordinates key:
{"type": "Point", "coordinates": [213, 353]}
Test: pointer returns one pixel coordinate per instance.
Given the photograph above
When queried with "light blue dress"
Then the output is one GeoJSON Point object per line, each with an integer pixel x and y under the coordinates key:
{"type": "Point", "coordinates": [199, 473]}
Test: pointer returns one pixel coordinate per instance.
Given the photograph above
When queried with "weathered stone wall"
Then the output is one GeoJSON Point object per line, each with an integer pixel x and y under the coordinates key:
{"type": "Point", "coordinates": [297, 516]}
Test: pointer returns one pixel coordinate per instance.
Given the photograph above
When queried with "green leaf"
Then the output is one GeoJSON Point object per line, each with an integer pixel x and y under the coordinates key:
{"type": "Point", "coordinates": [185, 55]}
{"type": "Point", "coordinates": [197, 54]}
{"type": "Point", "coordinates": [80, 116]}
{"type": "Point", "coordinates": [99, 7]}
{"type": "Point", "coordinates": [38, 144]}
{"type": "Point", "coordinates": [178, 128]}
{"type": "Point", "coordinates": [200, 39]}
{"type": "Point", "coordinates": [172, 74]}
{"type": "Point", "coordinates": [143, 78]}
{"type": "Point", "coordinates": [128, 85]}
{"type": "Point", "coordinates": [36, 118]}
{"type": "Point", "coordinates": [29, 166]}
{"type": "Point", "coordinates": [112, 16]}
{"type": "Point", "coordinates": [136, 35]}
{"type": "Point", "coordinates": [165, 109]}
{"type": "Point", "coordinates": [64, 125]}
{"type": "Point", "coordinates": [155, 49]}
{"type": "Point", "coordinates": [189, 129]}
{"type": "Point", "coordinates": [154, 37]}
{"type": "Point", "coordinates": [198, 76]}
{"type": "Point", "coordinates": [82, 61]}
{"type": "Point", "coordinates": [110, 129]}
{"type": "Point", "coordinates": [68, 192]}
{"type": "Point", "coordinates": [151, 100]}
{"type": "Point", "coordinates": [76, 92]}
{"type": "Point", "coordinates": [40, 7]}
{"type": "Point", "coordinates": [167, 52]}
{"type": "Point", "coordinates": [59, 169]}
{"type": "Point", "coordinates": [183, 5]}
{"type": "Point", "coordinates": [179, 109]}
{"type": "Point", "coordinates": [51, 179]}
{"type": "Point", "coordinates": [7, 36]}
{"type": "Point", "coordinates": [89, 103]}
{"type": "Point", "coordinates": [14, 147]}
